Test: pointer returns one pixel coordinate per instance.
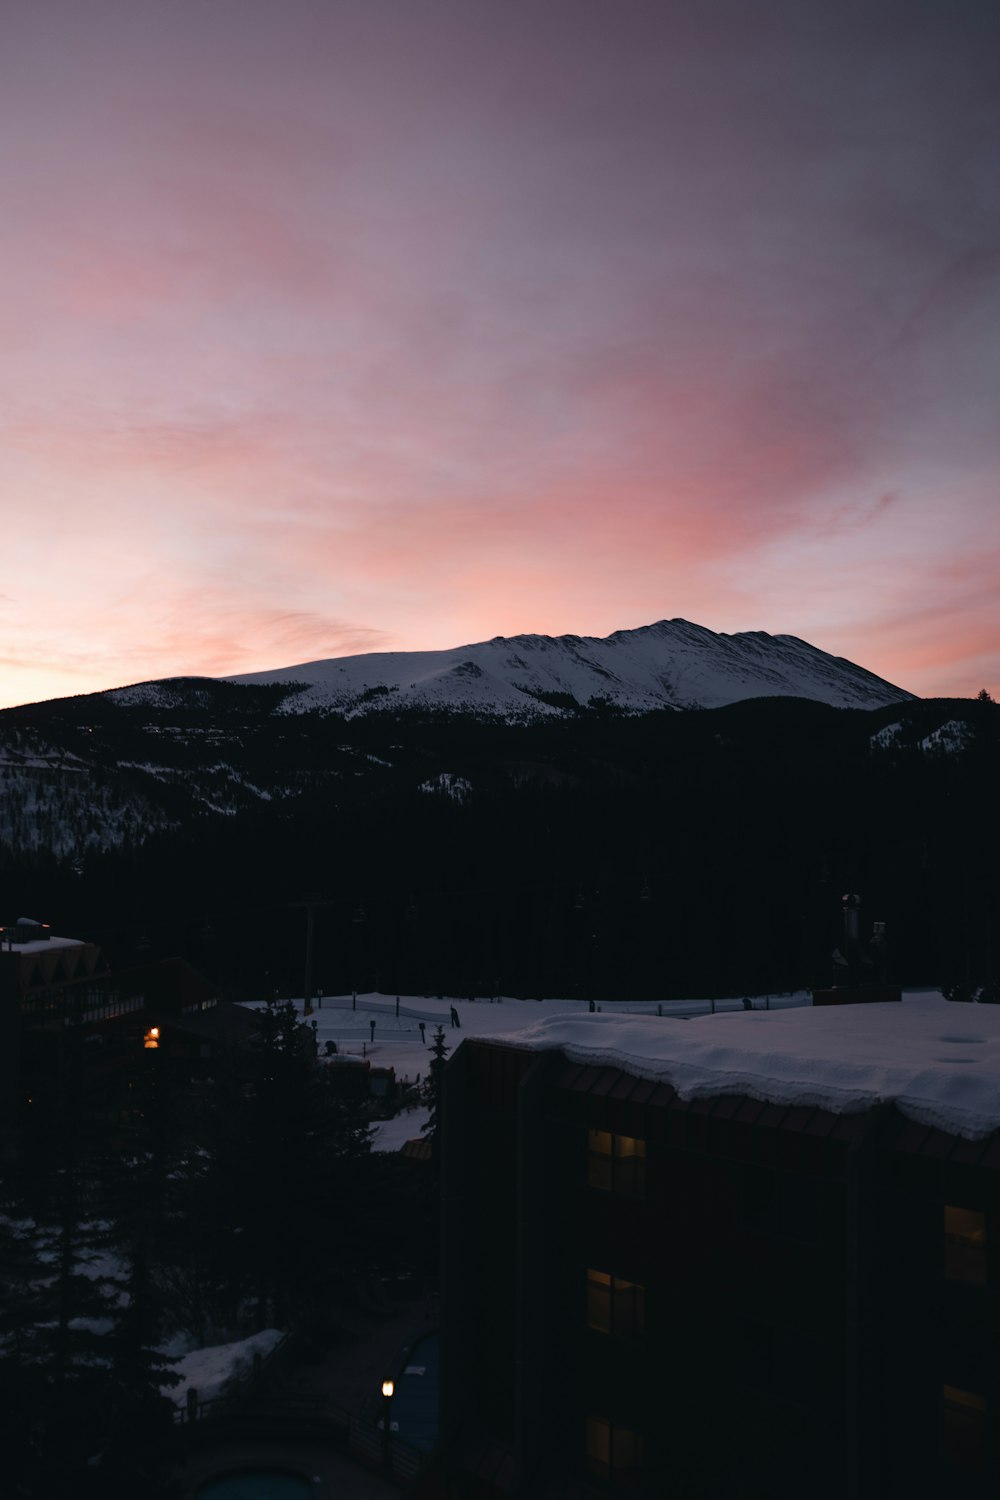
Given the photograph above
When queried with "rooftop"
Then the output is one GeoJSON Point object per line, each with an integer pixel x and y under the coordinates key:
{"type": "Point", "coordinates": [40, 945]}
{"type": "Point", "coordinates": [938, 1062]}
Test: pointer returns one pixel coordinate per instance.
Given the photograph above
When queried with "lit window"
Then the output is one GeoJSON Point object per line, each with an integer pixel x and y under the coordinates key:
{"type": "Point", "coordinates": [616, 1163]}
{"type": "Point", "coordinates": [599, 1301]}
{"type": "Point", "coordinates": [963, 1428]}
{"type": "Point", "coordinates": [614, 1305]}
{"type": "Point", "coordinates": [965, 1245]}
{"type": "Point", "coordinates": [151, 1038]}
{"type": "Point", "coordinates": [613, 1452]}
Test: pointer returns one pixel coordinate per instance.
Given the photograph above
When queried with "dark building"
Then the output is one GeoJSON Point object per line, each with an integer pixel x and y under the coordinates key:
{"type": "Point", "coordinates": [718, 1297]}
{"type": "Point", "coordinates": [57, 995]}
{"type": "Point", "coordinates": [42, 978]}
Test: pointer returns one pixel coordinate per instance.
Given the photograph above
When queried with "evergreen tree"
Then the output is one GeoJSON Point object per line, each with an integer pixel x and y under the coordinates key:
{"type": "Point", "coordinates": [23, 1387]}
{"type": "Point", "coordinates": [433, 1095]}
{"type": "Point", "coordinates": [140, 1182]}
{"type": "Point", "coordinates": [291, 1176]}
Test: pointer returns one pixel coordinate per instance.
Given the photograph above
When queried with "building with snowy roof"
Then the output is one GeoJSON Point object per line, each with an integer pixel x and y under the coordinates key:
{"type": "Point", "coordinates": [747, 1255]}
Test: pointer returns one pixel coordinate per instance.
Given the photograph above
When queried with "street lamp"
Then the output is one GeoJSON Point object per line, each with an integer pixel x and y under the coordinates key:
{"type": "Point", "coordinates": [388, 1386]}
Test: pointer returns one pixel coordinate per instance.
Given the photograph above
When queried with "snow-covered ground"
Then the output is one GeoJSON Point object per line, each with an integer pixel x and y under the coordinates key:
{"type": "Point", "coordinates": [210, 1371]}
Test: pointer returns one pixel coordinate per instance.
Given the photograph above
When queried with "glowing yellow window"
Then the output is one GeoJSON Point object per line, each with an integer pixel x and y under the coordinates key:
{"type": "Point", "coordinates": [616, 1163]}
{"type": "Point", "coordinates": [599, 1301]}
{"type": "Point", "coordinates": [965, 1245]}
{"type": "Point", "coordinates": [152, 1037]}
{"type": "Point", "coordinates": [615, 1305]}
{"type": "Point", "coordinates": [613, 1452]}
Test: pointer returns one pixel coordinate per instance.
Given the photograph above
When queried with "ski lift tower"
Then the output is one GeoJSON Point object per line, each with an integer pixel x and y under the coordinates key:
{"type": "Point", "coordinates": [859, 968]}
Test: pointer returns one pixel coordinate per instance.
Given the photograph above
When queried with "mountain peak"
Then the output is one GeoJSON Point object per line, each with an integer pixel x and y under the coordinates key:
{"type": "Point", "coordinates": [668, 664]}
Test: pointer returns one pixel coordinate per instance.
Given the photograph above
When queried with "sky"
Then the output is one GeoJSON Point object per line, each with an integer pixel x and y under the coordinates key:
{"type": "Point", "coordinates": [335, 326]}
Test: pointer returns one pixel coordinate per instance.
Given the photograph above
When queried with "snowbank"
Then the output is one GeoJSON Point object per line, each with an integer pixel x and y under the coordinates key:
{"type": "Point", "coordinates": [938, 1062]}
{"type": "Point", "coordinates": [210, 1371]}
{"type": "Point", "coordinates": [392, 1135]}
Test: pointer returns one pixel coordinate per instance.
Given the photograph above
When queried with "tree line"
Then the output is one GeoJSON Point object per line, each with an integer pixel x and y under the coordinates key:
{"type": "Point", "coordinates": [658, 856]}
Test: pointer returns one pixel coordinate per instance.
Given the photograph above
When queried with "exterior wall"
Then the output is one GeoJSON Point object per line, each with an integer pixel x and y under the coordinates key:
{"type": "Point", "coordinates": [798, 1323]}
{"type": "Point", "coordinates": [741, 1241]}
{"type": "Point", "coordinates": [480, 1245]}
{"type": "Point", "coordinates": [38, 989]}
{"type": "Point", "coordinates": [941, 1330]}
{"type": "Point", "coordinates": [10, 1047]}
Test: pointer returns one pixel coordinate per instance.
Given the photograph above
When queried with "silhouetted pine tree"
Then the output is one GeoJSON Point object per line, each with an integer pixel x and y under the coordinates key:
{"type": "Point", "coordinates": [66, 1351]}
{"type": "Point", "coordinates": [433, 1093]}
{"type": "Point", "coordinates": [23, 1308]}
{"type": "Point", "coordinates": [289, 1177]}
{"type": "Point", "coordinates": [141, 1178]}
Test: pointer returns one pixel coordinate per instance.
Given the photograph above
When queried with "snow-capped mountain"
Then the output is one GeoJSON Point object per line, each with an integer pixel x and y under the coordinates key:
{"type": "Point", "coordinates": [672, 664]}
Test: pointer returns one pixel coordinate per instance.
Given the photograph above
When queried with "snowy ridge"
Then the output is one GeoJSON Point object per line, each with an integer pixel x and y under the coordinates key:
{"type": "Point", "coordinates": [672, 664]}
{"type": "Point", "coordinates": [939, 1063]}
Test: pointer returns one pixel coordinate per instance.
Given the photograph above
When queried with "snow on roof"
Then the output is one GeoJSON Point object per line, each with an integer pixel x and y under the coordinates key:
{"type": "Point", "coordinates": [939, 1063]}
{"type": "Point", "coordinates": [40, 945]}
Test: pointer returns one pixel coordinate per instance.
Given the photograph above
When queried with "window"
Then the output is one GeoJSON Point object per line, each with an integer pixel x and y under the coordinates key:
{"type": "Point", "coordinates": [102, 1005]}
{"type": "Point", "coordinates": [614, 1305]}
{"type": "Point", "coordinates": [616, 1163]}
{"type": "Point", "coordinates": [613, 1452]}
{"type": "Point", "coordinates": [965, 1245]}
{"type": "Point", "coordinates": [963, 1428]}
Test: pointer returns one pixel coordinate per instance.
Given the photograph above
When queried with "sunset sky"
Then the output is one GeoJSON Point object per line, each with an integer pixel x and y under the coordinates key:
{"type": "Point", "coordinates": [351, 325]}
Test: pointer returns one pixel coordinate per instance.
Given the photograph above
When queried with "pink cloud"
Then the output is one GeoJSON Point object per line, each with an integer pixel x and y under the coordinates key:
{"type": "Point", "coordinates": [404, 316]}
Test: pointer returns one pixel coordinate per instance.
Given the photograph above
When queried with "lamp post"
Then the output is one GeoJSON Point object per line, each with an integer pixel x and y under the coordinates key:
{"type": "Point", "coordinates": [388, 1387]}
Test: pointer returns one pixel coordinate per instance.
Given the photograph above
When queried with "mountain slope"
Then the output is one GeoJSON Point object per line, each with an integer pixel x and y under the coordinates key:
{"type": "Point", "coordinates": [672, 664]}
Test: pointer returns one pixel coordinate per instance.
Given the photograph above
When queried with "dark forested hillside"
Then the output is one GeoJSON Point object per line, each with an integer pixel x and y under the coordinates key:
{"type": "Point", "coordinates": [672, 853]}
